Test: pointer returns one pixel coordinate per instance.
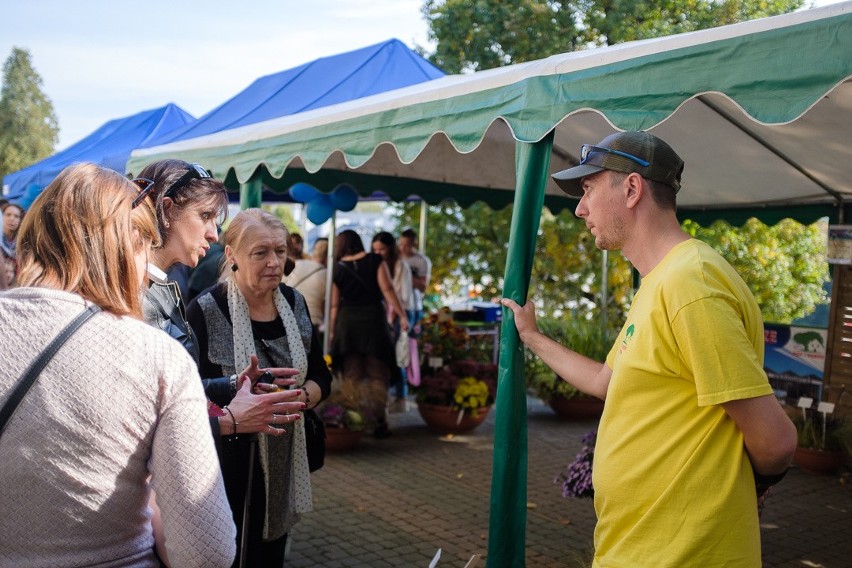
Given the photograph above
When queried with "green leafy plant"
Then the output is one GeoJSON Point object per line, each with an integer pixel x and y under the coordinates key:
{"type": "Point", "coordinates": [818, 431]}
{"type": "Point", "coordinates": [586, 337]}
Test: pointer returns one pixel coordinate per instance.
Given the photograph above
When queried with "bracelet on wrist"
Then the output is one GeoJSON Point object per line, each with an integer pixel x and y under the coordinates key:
{"type": "Point", "coordinates": [233, 421]}
{"type": "Point", "coordinates": [761, 479]}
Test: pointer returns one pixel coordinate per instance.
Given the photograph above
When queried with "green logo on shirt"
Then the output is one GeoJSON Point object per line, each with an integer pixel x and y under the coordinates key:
{"type": "Point", "coordinates": [628, 335]}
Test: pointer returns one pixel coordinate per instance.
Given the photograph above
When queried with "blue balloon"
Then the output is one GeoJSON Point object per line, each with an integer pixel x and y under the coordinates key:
{"type": "Point", "coordinates": [303, 192]}
{"type": "Point", "coordinates": [320, 209]}
{"type": "Point", "coordinates": [344, 197]}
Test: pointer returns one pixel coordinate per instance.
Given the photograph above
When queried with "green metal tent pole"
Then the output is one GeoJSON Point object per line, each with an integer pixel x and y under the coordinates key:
{"type": "Point", "coordinates": [508, 515]}
{"type": "Point", "coordinates": [251, 192]}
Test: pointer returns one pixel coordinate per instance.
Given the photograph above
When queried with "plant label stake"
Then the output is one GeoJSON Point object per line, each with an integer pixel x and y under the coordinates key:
{"type": "Point", "coordinates": [435, 559]}
{"type": "Point", "coordinates": [825, 408]}
{"type": "Point", "coordinates": [805, 403]}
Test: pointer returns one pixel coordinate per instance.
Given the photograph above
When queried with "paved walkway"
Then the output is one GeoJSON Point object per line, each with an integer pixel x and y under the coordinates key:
{"type": "Point", "coordinates": [395, 502]}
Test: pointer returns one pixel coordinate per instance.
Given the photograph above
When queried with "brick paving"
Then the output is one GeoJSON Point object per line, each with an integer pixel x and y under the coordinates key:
{"type": "Point", "coordinates": [395, 502]}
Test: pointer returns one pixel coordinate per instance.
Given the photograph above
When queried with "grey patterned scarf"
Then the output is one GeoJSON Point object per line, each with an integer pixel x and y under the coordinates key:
{"type": "Point", "coordinates": [244, 349]}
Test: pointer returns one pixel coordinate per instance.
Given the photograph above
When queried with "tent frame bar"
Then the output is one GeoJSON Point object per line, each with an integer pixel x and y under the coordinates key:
{"type": "Point", "coordinates": [784, 157]}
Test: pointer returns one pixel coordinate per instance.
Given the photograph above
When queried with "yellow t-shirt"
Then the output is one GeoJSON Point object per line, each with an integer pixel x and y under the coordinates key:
{"type": "Point", "coordinates": [673, 484]}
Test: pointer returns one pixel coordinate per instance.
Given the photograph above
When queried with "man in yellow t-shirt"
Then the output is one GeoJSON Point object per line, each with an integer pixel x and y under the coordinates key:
{"type": "Point", "coordinates": [690, 423]}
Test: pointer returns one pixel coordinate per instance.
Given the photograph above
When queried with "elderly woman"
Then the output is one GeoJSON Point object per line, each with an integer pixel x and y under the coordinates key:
{"type": "Point", "coordinates": [118, 404]}
{"type": "Point", "coordinates": [361, 342]}
{"type": "Point", "coordinates": [252, 312]}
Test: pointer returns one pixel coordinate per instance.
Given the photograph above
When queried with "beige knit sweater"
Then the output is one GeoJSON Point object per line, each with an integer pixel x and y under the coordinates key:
{"type": "Point", "coordinates": [119, 402]}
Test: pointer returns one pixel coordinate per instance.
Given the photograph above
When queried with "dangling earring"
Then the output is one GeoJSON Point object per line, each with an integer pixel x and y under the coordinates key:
{"type": "Point", "coordinates": [234, 267]}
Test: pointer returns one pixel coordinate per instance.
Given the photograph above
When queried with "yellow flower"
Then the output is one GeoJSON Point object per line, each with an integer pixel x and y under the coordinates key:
{"type": "Point", "coordinates": [471, 393]}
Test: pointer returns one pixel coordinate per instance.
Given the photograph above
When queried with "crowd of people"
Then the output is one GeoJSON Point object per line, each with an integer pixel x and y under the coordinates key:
{"type": "Point", "coordinates": [167, 433]}
{"type": "Point", "coordinates": [211, 467]}
{"type": "Point", "coordinates": [376, 301]}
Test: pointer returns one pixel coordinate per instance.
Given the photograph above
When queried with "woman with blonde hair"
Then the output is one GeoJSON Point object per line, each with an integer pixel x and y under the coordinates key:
{"type": "Point", "coordinates": [252, 312]}
{"type": "Point", "coordinates": [116, 405]}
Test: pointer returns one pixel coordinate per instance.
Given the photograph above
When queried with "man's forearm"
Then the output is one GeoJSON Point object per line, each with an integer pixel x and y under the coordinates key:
{"type": "Point", "coordinates": [587, 375]}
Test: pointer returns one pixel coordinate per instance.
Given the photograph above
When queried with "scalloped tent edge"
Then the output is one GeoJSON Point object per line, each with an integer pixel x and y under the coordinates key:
{"type": "Point", "coordinates": [762, 89]}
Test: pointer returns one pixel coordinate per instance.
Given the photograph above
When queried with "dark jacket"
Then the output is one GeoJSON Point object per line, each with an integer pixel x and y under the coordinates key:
{"type": "Point", "coordinates": [162, 307]}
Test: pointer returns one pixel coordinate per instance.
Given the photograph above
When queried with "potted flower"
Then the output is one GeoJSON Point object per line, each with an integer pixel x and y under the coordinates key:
{"type": "Point", "coordinates": [457, 397]}
{"type": "Point", "coordinates": [825, 440]}
{"type": "Point", "coordinates": [442, 341]}
{"type": "Point", "coordinates": [585, 337]}
{"type": "Point", "coordinates": [343, 420]}
{"type": "Point", "coordinates": [576, 479]}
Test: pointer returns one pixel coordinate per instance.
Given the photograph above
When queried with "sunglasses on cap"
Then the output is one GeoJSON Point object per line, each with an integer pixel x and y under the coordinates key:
{"type": "Point", "coordinates": [145, 186]}
{"type": "Point", "coordinates": [194, 172]}
{"type": "Point", "coordinates": [587, 150]}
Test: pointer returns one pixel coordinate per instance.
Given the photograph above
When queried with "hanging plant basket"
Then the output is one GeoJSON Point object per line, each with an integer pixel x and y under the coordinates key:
{"type": "Point", "coordinates": [446, 419]}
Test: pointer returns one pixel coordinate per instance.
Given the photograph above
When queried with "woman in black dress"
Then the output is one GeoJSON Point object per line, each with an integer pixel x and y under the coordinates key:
{"type": "Point", "coordinates": [361, 346]}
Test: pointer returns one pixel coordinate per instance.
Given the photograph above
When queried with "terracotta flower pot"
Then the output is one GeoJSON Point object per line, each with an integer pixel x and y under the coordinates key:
{"type": "Point", "coordinates": [577, 408]}
{"type": "Point", "coordinates": [340, 439]}
{"type": "Point", "coordinates": [445, 419]}
{"type": "Point", "coordinates": [818, 461]}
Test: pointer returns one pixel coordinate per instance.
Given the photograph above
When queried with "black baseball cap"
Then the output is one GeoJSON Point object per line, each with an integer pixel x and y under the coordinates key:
{"type": "Point", "coordinates": [625, 152]}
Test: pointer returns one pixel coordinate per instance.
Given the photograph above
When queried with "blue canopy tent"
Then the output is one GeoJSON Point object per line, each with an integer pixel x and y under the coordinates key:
{"type": "Point", "coordinates": [320, 83]}
{"type": "Point", "coordinates": [110, 146]}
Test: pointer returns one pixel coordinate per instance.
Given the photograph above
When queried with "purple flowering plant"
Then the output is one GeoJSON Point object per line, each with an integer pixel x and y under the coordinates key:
{"type": "Point", "coordinates": [576, 480]}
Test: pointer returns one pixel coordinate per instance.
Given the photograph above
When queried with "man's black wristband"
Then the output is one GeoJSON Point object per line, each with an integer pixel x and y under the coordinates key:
{"type": "Point", "coordinates": [761, 479]}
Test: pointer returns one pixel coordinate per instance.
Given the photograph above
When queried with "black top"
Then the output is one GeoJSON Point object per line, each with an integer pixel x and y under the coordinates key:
{"type": "Point", "coordinates": [358, 280]}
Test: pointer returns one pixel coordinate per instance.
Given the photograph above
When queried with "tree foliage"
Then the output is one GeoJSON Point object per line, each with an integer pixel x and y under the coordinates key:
{"type": "Point", "coordinates": [468, 249]}
{"type": "Point", "coordinates": [472, 35]}
{"type": "Point", "coordinates": [784, 265]}
{"type": "Point", "coordinates": [28, 126]}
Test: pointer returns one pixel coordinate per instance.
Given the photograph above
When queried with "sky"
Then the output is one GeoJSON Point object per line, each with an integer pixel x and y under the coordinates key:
{"type": "Point", "coordinates": [106, 59]}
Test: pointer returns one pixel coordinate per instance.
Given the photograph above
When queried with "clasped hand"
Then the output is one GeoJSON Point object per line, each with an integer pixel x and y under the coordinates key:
{"type": "Point", "coordinates": [262, 407]}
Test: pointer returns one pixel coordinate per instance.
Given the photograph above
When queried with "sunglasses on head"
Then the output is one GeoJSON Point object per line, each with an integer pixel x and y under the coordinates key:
{"type": "Point", "coordinates": [587, 150]}
{"type": "Point", "coordinates": [194, 172]}
{"type": "Point", "coordinates": [145, 186]}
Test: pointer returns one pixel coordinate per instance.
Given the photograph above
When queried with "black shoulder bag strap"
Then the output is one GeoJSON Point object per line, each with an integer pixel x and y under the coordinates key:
{"type": "Point", "coordinates": [31, 374]}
